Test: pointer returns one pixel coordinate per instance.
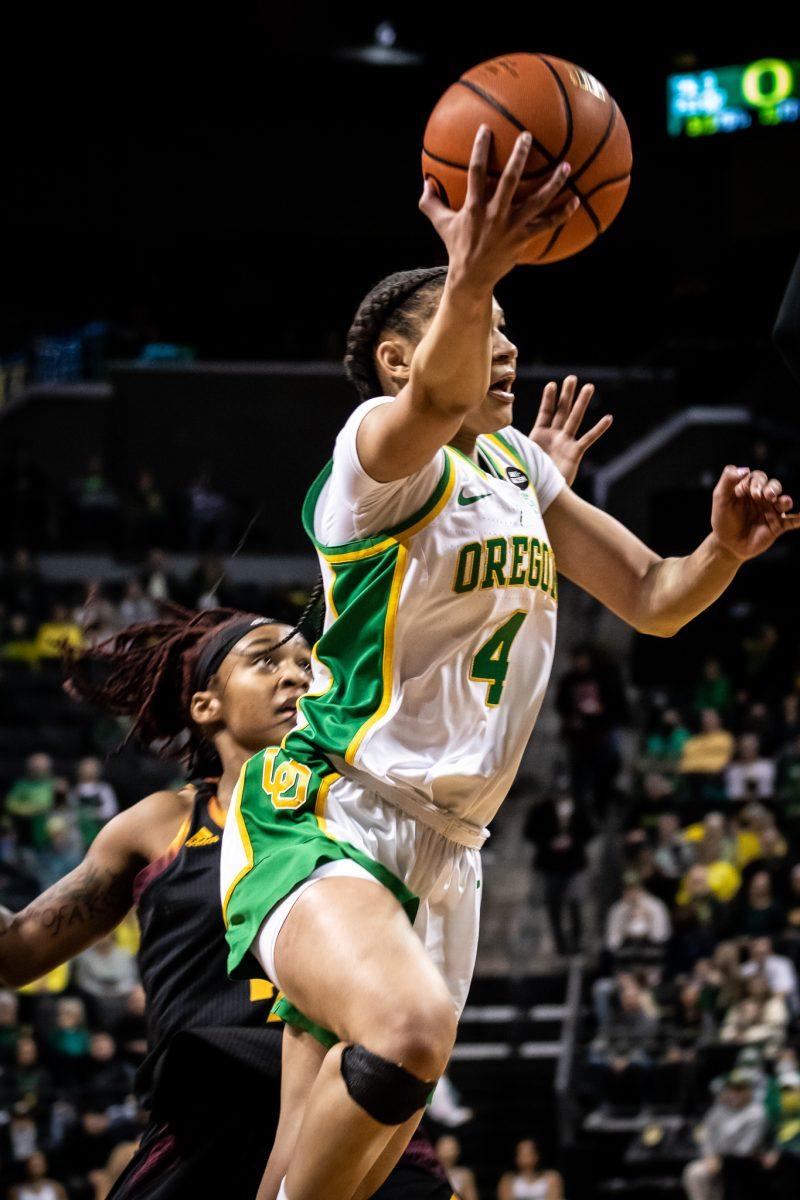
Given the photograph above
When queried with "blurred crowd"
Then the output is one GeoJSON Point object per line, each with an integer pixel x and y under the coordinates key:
{"type": "Point", "coordinates": [39, 618]}
{"type": "Point", "coordinates": [92, 511]}
{"type": "Point", "coordinates": [695, 991]}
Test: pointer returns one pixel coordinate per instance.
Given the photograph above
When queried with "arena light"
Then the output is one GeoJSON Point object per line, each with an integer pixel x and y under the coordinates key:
{"type": "Point", "coordinates": [729, 99]}
{"type": "Point", "coordinates": [384, 50]}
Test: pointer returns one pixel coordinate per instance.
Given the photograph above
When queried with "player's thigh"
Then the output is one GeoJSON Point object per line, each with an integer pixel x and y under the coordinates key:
{"type": "Point", "coordinates": [348, 958]}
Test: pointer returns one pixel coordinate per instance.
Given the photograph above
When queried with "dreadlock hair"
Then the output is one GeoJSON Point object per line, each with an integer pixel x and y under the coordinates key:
{"type": "Point", "coordinates": [147, 673]}
{"type": "Point", "coordinates": [307, 622]}
{"type": "Point", "coordinates": [400, 303]}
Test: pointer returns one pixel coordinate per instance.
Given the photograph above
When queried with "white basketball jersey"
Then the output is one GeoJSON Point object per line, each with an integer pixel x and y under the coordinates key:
{"type": "Point", "coordinates": [438, 637]}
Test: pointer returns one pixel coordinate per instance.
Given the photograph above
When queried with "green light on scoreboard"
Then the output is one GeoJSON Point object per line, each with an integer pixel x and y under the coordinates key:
{"type": "Point", "coordinates": [726, 99]}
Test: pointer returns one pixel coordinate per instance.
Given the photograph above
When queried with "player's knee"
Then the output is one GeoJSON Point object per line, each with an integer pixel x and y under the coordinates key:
{"type": "Point", "coordinates": [422, 1033]}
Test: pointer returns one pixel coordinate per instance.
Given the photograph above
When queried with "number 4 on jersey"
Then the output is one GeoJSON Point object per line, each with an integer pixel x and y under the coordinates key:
{"type": "Point", "coordinates": [490, 664]}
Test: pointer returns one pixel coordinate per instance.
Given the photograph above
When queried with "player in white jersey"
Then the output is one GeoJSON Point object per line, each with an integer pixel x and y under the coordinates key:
{"type": "Point", "coordinates": [350, 864]}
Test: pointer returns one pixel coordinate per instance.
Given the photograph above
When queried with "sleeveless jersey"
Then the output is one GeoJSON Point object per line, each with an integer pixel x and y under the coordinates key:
{"type": "Point", "coordinates": [183, 953]}
{"type": "Point", "coordinates": [438, 638]}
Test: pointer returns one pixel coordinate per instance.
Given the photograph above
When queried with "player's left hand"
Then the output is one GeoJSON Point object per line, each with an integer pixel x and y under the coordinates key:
{"type": "Point", "coordinates": [558, 421]}
{"type": "Point", "coordinates": [749, 512]}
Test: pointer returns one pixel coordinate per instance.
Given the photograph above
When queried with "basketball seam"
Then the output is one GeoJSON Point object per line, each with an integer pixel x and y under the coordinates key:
{"type": "Point", "coordinates": [594, 153]}
{"type": "Point", "coordinates": [553, 239]}
{"type": "Point", "coordinates": [489, 99]}
{"type": "Point", "coordinates": [565, 102]}
{"type": "Point", "coordinates": [598, 187]}
{"type": "Point", "coordinates": [493, 174]}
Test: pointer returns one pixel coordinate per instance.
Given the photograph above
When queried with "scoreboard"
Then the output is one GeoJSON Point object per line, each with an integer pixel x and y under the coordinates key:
{"type": "Point", "coordinates": [728, 99]}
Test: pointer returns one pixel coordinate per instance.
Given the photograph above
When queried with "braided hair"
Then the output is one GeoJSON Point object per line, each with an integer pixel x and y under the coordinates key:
{"type": "Point", "coordinates": [400, 303]}
{"type": "Point", "coordinates": [147, 673]}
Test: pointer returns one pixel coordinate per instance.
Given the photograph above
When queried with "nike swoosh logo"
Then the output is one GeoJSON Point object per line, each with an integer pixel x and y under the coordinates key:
{"type": "Point", "coordinates": [462, 499]}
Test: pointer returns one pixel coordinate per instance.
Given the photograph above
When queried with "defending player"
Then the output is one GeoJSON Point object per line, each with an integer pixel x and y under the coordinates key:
{"type": "Point", "coordinates": [212, 1073]}
{"type": "Point", "coordinates": [350, 863]}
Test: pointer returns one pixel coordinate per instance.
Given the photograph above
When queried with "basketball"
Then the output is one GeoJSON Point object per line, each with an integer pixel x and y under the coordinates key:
{"type": "Point", "coordinates": [569, 115]}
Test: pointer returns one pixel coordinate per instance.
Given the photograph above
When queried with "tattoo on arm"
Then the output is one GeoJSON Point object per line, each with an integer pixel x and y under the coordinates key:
{"type": "Point", "coordinates": [96, 893]}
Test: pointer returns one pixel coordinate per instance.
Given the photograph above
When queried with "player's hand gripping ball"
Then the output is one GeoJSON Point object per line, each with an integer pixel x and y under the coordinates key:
{"type": "Point", "coordinates": [569, 115]}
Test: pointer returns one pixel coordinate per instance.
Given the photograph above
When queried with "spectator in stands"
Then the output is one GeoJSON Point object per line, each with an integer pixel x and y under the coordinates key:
{"type": "Point", "coordinates": [560, 832]}
{"type": "Point", "coordinates": [106, 973]}
{"type": "Point", "coordinates": [793, 900]}
{"type": "Point", "coordinates": [714, 852]}
{"type": "Point", "coordinates": [715, 835]}
{"type": "Point", "coordinates": [788, 773]}
{"type": "Point", "coordinates": [529, 1180]}
{"type": "Point", "coordinates": [778, 970]}
{"type": "Point", "coordinates": [671, 857]}
{"type": "Point", "coordinates": [95, 503]}
{"type": "Point", "coordinates": [131, 1029]}
{"type": "Point", "coordinates": [750, 775]}
{"type": "Point", "coordinates": [61, 853]}
{"type": "Point", "coordinates": [461, 1179]}
{"type": "Point", "coordinates": [22, 588]}
{"type": "Point", "coordinates": [713, 689]}
{"type": "Point", "coordinates": [637, 923]}
{"type": "Point", "coordinates": [700, 918]}
{"type": "Point", "coordinates": [760, 845]}
{"type": "Point", "coordinates": [68, 1041]}
{"type": "Point", "coordinates": [146, 513]}
{"type": "Point", "coordinates": [31, 799]}
{"type": "Point", "coordinates": [58, 634]}
{"type": "Point", "coordinates": [759, 913]}
{"type": "Point", "coordinates": [789, 724]}
{"type": "Point", "coordinates": [664, 746]}
{"type": "Point", "coordinates": [96, 616]}
{"type": "Point", "coordinates": [22, 1140]}
{"type": "Point", "coordinates": [732, 1133]}
{"type": "Point", "coordinates": [209, 516]}
{"type": "Point", "coordinates": [591, 702]}
{"type": "Point", "coordinates": [783, 1158]}
{"type": "Point", "coordinates": [157, 580]}
{"type": "Point", "coordinates": [207, 586]}
{"type": "Point", "coordinates": [625, 1010]}
{"type": "Point", "coordinates": [709, 751]}
{"type": "Point", "coordinates": [720, 979]}
{"type": "Point", "coordinates": [27, 1078]}
{"type": "Point", "coordinates": [760, 1017]}
{"type": "Point", "coordinates": [38, 1185]}
{"type": "Point", "coordinates": [135, 607]}
{"type": "Point", "coordinates": [94, 800]}
{"type": "Point", "coordinates": [9, 1026]}
{"type": "Point", "coordinates": [764, 664]}
{"type": "Point", "coordinates": [19, 644]}
{"type": "Point", "coordinates": [109, 1080]}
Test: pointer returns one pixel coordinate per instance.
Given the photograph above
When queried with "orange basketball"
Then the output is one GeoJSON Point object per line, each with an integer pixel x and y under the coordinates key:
{"type": "Point", "coordinates": [569, 115]}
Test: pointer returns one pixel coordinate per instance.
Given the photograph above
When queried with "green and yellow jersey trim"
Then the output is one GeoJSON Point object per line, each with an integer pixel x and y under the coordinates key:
{"type": "Point", "coordinates": [366, 547]}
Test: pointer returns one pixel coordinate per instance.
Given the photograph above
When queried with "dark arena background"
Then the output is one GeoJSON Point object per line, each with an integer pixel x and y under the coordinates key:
{"type": "Point", "coordinates": [193, 208]}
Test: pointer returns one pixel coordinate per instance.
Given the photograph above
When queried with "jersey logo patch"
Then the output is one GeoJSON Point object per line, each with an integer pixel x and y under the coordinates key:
{"type": "Point", "coordinates": [467, 499]}
{"type": "Point", "coordinates": [203, 837]}
{"type": "Point", "coordinates": [517, 477]}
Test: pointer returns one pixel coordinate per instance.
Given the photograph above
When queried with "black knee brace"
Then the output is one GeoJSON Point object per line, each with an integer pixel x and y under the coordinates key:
{"type": "Point", "coordinates": [390, 1094]}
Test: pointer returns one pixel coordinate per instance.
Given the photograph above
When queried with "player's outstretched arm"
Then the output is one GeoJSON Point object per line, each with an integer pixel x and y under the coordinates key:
{"type": "Point", "coordinates": [558, 422]}
{"type": "Point", "coordinates": [660, 595]}
{"type": "Point", "coordinates": [85, 905]}
{"type": "Point", "coordinates": [450, 370]}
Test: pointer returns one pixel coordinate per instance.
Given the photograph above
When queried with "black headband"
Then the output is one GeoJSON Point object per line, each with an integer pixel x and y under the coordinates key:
{"type": "Point", "coordinates": [219, 646]}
